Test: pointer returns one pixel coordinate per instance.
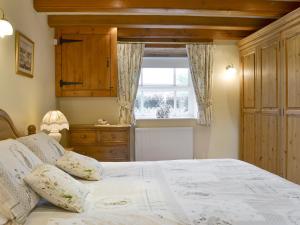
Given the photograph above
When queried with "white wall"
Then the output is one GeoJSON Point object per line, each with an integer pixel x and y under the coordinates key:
{"type": "Point", "coordinates": [221, 140]}
{"type": "Point", "coordinates": [27, 100]}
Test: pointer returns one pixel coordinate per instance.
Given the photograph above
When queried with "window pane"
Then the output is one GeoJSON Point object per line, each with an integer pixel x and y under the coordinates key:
{"type": "Point", "coordinates": [138, 102]}
{"type": "Point", "coordinates": [182, 76]}
{"type": "Point", "coordinates": [158, 104]}
{"type": "Point", "coordinates": [158, 76]}
{"type": "Point", "coordinates": [182, 102]}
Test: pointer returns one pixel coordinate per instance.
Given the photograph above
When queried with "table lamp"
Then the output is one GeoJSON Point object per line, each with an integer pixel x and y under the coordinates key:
{"type": "Point", "coordinates": [54, 121]}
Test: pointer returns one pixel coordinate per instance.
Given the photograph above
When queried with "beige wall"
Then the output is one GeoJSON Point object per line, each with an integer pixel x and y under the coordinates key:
{"type": "Point", "coordinates": [27, 100]}
{"type": "Point", "coordinates": [218, 141]}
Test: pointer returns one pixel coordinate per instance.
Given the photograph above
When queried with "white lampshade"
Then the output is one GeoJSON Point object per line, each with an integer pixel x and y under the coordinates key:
{"type": "Point", "coordinates": [54, 121]}
{"type": "Point", "coordinates": [6, 28]}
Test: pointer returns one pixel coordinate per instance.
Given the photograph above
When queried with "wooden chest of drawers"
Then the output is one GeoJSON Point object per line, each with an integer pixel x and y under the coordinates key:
{"type": "Point", "coordinates": [105, 143]}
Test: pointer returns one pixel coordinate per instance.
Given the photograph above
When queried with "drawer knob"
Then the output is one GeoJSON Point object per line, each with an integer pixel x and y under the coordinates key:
{"type": "Point", "coordinates": [83, 136]}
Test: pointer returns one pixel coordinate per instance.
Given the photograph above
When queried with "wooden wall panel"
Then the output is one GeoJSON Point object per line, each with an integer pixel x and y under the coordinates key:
{"type": "Point", "coordinates": [249, 80]}
{"type": "Point", "coordinates": [293, 71]}
{"type": "Point", "coordinates": [293, 146]}
{"type": "Point", "coordinates": [249, 138]}
{"type": "Point", "coordinates": [269, 76]}
{"type": "Point", "coordinates": [292, 108]}
{"type": "Point", "coordinates": [269, 143]}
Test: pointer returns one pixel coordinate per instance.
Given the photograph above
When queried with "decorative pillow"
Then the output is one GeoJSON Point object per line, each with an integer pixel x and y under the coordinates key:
{"type": "Point", "coordinates": [16, 198]}
{"type": "Point", "coordinates": [80, 166]}
{"type": "Point", "coordinates": [58, 187]}
{"type": "Point", "coordinates": [3, 220]}
{"type": "Point", "coordinates": [44, 147]}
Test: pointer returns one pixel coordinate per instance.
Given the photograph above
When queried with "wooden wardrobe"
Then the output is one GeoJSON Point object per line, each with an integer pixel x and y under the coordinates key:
{"type": "Point", "coordinates": [270, 97]}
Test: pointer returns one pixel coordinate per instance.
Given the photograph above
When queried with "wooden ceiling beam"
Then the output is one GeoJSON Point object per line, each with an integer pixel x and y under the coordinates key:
{"type": "Point", "coordinates": [249, 8]}
{"type": "Point", "coordinates": [139, 21]}
{"type": "Point", "coordinates": [140, 34]}
{"type": "Point", "coordinates": [150, 40]}
{"type": "Point", "coordinates": [165, 46]}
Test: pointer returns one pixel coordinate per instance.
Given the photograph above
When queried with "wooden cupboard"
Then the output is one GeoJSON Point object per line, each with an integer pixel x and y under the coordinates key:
{"type": "Point", "coordinates": [104, 143]}
{"type": "Point", "coordinates": [86, 60]}
{"type": "Point", "coordinates": [270, 97]}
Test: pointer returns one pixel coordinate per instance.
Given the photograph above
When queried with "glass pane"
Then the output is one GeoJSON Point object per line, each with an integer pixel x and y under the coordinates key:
{"type": "Point", "coordinates": [138, 102]}
{"type": "Point", "coordinates": [182, 76]}
{"type": "Point", "coordinates": [182, 102]}
{"type": "Point", "coordinates": [158, 104]}
{"type": "Point", "coordinates": [158, 76]}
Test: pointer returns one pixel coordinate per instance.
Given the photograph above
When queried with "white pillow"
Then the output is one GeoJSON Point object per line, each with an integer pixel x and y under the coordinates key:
{"type": "Point", "coordinates": [44, 147]}
{"type": "Point", "coordinates": [17, 199]}
{"type": "Point", "coordinates": [3, 220]}
{"type": "Point", "coordinates": [80, 166]}
{"type": "Point", "coordinates": [58, 187]}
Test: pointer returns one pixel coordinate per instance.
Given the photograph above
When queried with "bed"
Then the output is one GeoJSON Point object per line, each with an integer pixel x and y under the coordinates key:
{"type": "Point", "coordinates": [202, 192]}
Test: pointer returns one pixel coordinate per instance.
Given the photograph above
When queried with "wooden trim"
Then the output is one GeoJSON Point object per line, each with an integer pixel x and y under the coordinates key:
{"type": "Point", "coordinates": [165, 45]}
{"type": "Point", "coordinates": [114, 63]}
{"type": "Point", "coordinates": [290, 20]}
{"type": "Point", "coordinates": [149, 21]}
{"type": "Point", "coordinates": [155, 33]}
{"type": "Point", "coordinates": [230, 8]}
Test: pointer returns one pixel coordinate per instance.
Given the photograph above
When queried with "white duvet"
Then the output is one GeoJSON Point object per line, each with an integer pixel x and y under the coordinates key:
{"type": "Point", "coordinates": [200, 192]}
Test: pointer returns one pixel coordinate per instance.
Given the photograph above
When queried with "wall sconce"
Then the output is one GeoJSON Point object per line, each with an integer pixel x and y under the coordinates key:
{"type": "Point", "coordinates": [6, 28]}
{"type": "Point", "coordinates": [230, 72]}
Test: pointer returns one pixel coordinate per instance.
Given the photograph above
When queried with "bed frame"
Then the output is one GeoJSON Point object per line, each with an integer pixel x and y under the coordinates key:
{"type": "Point", "coordinates": [7, 128]}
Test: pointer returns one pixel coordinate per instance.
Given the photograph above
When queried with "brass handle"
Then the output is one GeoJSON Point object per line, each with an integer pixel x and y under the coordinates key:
{"type": "Point", "coordinates": [83, 136]}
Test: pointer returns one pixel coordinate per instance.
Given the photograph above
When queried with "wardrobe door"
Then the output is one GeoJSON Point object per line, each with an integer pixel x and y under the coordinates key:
{"type": "Point", "coordinates": [292, 103]}
{"type": "Point", "coordinates": [270, 107]}
{"type": "Point", "coordinates": [249, 117]}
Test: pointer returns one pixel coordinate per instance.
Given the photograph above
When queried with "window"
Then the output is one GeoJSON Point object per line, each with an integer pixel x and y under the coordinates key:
{"type": "Point", "coordinates": [165, 92]}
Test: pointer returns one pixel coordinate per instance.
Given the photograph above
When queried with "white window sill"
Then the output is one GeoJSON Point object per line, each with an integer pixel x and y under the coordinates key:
{"type": "Point", "coordinates": [166, 119]}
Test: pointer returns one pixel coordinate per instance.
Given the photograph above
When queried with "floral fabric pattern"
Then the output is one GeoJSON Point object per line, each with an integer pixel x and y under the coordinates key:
{"type": "Point", "coordinates": [16, 198]}
{"type": "Point", "coordinates": [130, 57]}
{"type": "Point", "coordinates": [80, 166]}
{"type": "Point", "coordinates": [201, 63]}
{"type": "Point", "coordinates": [183, 192]}
{"type": "Point", "coordinates": [58, 187]}
{"type": "Point", "coordinates": [44, 147]}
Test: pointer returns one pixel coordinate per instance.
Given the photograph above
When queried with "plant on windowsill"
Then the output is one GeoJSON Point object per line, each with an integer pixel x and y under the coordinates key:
{"type": "Point", "coordinates": [164, 111]}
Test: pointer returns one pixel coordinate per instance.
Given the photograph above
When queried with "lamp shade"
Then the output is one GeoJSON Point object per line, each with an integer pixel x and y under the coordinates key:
{"type": "Point", "coordinates": [6, 28]}
{"type": "Point", "coordinates": [54, 121]}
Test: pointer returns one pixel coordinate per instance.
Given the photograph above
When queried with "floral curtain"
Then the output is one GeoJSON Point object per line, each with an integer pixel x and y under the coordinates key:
{"type": "Point", "coordinates": [130, 57]}
{"type": "Point", "coordinates": [201, 62]}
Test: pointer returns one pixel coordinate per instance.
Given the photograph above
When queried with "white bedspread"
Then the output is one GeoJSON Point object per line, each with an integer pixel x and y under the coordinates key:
{"type": "Point", "coordinates": [202, 192]}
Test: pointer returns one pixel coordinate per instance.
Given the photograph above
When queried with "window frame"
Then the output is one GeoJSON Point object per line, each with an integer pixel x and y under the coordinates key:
{"type": "Point", "coordinates": [192, 106]}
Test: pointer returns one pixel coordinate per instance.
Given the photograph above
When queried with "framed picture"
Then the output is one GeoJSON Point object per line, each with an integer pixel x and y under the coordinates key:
{"type": "Point", "coordinates": [24, 55]}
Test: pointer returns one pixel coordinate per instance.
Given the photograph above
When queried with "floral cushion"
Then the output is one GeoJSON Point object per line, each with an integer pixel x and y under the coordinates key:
{"type": "Point", "coordinates": [44, 147]}
{"type": "Point", "coordinates": [58, 187]}
{"type": "Point", "coordinates": [16, 198]}
{"type": "Point", "coordinates": [80, 166]}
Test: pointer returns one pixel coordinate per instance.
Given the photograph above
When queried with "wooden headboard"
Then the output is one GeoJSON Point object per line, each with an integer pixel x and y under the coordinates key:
{"type": "Point", "coordinates": [7, 128]}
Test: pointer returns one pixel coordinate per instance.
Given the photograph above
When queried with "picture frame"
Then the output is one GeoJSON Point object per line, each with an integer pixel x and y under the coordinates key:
{"type": "Point", "coordinates": [24, 55]}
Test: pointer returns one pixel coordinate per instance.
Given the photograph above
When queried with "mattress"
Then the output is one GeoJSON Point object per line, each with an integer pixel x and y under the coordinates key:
{"type": "Point", "coordinates": [202, 192]}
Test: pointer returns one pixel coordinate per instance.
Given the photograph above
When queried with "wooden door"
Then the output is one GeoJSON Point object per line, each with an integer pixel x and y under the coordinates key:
{"type": "Point", "coordinates": [249, 116]}
{"type": "Point", "coordinates": [86, 62]}
{"type": "Point", "coordinates": [72, 61]}
{"type": "Point", "coordinates": [292, 102]}
{"type": "Point", "coordinates": [270, 107]}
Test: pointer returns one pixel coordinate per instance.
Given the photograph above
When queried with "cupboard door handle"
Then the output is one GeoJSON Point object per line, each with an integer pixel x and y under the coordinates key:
{"type": "Point", "coordinates": [107, 62]}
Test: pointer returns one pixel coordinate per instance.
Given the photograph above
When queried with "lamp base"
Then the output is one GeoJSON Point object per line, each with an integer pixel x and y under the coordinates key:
{"type": "Point", "coordinates": [55, 135]}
